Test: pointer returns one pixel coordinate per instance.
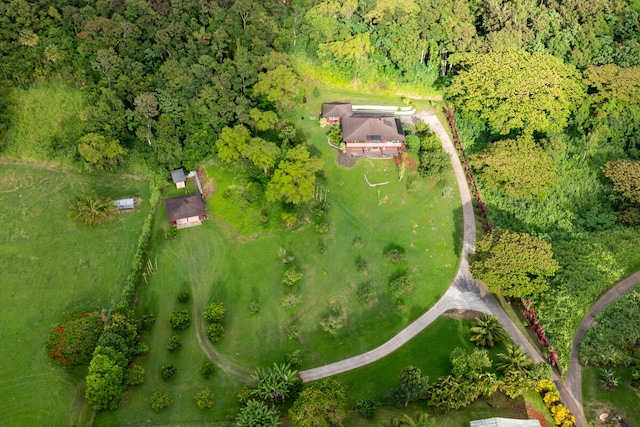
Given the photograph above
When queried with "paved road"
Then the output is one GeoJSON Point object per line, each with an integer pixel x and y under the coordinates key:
{"type": "Point", "coordinates": [573, 380]}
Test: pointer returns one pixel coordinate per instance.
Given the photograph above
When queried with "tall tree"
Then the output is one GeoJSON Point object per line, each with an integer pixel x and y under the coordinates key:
{"type": "Point", "coordinates": [294, 179]}
{"type": "Point", "coordinates": [516, 90]}
{"type": "Point", "coordinates": [261, 153]}
{"type": "Point", "coordinates": [100, 151]}
{"type": "Point", "coordinates": [518, 168]}
{"type": "Point", "coordinates": [105, 386]}
{"type": "Point", "coordinates": [232, 142]}
{"type": "Point", "coordinates": [625, 176]}
{"type": "Point", "coordinates": [513, 264]}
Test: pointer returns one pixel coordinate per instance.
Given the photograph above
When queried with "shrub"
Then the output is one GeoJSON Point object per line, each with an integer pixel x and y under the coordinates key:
{"type": "Point", "coordinates": [168, 371]}
{"type": "Point", "coordinates": [608, 379]}
{"type": "Point", "coordinates": [215, 332]}
{"type": "Point", "coordinates": [394, 254]}
{"type": "Point", "coordinates": [174, 343]}
{"type": "Point", "coordinates": [147, 321]}
{"type": "Point", "coordinates": [214, 312]}
{"type": "Point", "coordinates": [366, 292]}
{"type": "Point", "coordinates": [290, 300]}
{"type": "Point", "coordinates": [293, 331]}
{"type": "Point", "coordinates": [400, 286]}
{"type": "Point", "coordinates": [134, 375]}
{"type": "Point", "coordinates": [160, 400]}
{"type": "Point", "coordinates": [207, 369]}
{"type": "Point", "coordinates": [73, 341]}
{"type": "Point", "coordinates": [294, 359]}
{"type": "Point", "coordinates": [180, 319]}
{"type": "Point", "coordinates": [204, 398]}
{"type": "Point", "coordinates": [635, 377]}
{"type": "Point", "coordinates": [361, 264]}
{"type": "Point", "coordinates": [171, 233]}
{"type": "Point", "coordinates": [285, 256]}
{"type": "Point", "coordinates": [245, 394]}
{"type": "Point", "coordinates": [254, 308]}
{"type": "Point", "coordinates": [366, 408]}
{"type": "Point", "coordinates": [551, 398]}
{"type": "Point", "coordinates": [331, 324]}
{"type": "Point", "coordinates": [183, 297]}
{"type": "Point", "coordinates": [292, 276]}
{"type": "Point", "coordinates": [545, 386]}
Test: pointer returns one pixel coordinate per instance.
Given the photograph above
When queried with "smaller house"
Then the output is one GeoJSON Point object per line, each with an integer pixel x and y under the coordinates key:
{"type": "Point", "coordinates": [504, 422]}
{"type": "Point", "coordinates": [178, 178]}
{"type": "Point", "coordinates": [122, 204]}
{"type": "Point", "coordinates": [333, 112]}
{"type": "Point", "coordinates": [186, 211]}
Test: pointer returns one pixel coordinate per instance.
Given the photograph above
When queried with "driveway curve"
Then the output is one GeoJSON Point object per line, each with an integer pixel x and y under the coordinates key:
{"type": "Point", "coordinates": [573, 380]}
{"type": "Point", "coordinates": [464, 292]}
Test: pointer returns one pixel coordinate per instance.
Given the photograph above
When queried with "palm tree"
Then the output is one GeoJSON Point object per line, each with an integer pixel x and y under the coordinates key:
{"type": "Point", "coordinates": [421, 419]}
{"type": "Point", "coordinates": [514, 359]}
{"type": "Point", "coordinates": [92, 210]}
{"type": "Point", "coordinates": [487, 331]}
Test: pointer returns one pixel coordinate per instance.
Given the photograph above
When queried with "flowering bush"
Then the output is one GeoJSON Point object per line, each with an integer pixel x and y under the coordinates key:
{"type": "Point", "coordinates": [72, 342]}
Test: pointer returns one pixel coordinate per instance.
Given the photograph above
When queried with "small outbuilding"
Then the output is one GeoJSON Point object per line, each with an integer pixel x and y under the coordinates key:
{"type": "Point", "coordinates": [179, 179]}
{"type": "Point", "coordinates": [122, 204]}
{"type": "Point", "coordinates": [504, 422]}
{"type": "Point", "coordinates": [186, 211]}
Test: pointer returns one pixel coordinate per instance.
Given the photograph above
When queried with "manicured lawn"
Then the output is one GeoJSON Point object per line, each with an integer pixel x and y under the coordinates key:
{"type": "Point", "coordinates": [233, 258]}
{"type": "Point", "coordinates": [623, 401]}
{"type": "Point", "coordinates": [51, 264]}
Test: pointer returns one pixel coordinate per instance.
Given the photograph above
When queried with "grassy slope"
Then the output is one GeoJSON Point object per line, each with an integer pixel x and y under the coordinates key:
{"type": "Point", "coordinates": [44, 117]}
{"type": "Point", "coordinates": [51, 264]}
{"type": "Point", "coordinates": [623, 401]}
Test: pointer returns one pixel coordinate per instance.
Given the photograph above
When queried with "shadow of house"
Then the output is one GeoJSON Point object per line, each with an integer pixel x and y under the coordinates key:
{"type": "Point", "coordinates": [186, 211]}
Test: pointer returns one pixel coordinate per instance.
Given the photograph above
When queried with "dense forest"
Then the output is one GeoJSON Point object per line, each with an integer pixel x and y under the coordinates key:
{"type": "Point", "coordinates": [546, 95]}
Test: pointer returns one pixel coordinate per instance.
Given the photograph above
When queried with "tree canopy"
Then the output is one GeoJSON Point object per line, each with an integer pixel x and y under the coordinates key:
{"type": "Point", "coordinates": [294, 179]}
{"type": "Point", "coordinates": [513, 264]}
{"type": "Point", "coordinates": [516, 90]}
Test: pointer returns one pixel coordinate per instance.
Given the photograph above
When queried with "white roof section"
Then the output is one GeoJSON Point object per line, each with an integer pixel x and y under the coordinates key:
{"type": "Point", "coordinates": [124, 203]}
{"type": "Point", "coordinates": [504, 422]}
{"type": "Point", "coordinates": [178, 175]}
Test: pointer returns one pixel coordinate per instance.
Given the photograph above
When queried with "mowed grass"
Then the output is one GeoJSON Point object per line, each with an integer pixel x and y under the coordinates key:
{"type": "Point", "coordinates": [623, 401]}
{"type": "Point", "coordinates": [45, 122]}
{"type": "Point", "coordinates": [50, 264]}
{"type": "Point", "coordinates": [233, 258]}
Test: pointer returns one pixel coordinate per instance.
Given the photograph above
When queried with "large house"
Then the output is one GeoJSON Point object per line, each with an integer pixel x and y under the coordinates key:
{"type": "Point", "coordinates": [186, 211]}
{"type": "Point", "coordinates": [366, 134]}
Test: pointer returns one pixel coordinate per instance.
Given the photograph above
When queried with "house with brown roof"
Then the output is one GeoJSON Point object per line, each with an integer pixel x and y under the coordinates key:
{"type": "Point", "coordinates": [366, 132]}
{"type": "Point", "coordinates": [333, 112]}
{"type": "Point", "coordinates": [376, 136]}
{"type": "Point", "coordinates": [186, 211]}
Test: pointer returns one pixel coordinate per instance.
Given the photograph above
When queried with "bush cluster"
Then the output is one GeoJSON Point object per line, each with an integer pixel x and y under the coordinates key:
{"type": "Point", "coordinates": [561, 414]}
{"type": "Point", "coordinates": [138, 262]}
{"type": "Point", "coordinates": [180, 319]}
{"type": "Point", "coordinates": [214, 313]}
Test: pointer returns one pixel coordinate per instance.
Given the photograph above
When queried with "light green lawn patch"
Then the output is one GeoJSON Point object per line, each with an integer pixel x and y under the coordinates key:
{"type": "Point", "coordinates": [45, 122]}
{"type": "Point", "coordinates": [623, 401]}
{"type": "Point", "coordinates": [51, 264]}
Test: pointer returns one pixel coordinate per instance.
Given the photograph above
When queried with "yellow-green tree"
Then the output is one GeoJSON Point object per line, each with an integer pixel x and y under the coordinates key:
{"type": "Point", "coordinates": [518, 168]}
{"type": "Point", "coordinates": [513, 264]}
{"type": "Point", "coordinates": [516, 90]}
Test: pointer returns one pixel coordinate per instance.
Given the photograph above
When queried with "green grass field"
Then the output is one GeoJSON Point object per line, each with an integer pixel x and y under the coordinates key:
{"type": "Point", "coordinates": [623, 401]}
{"type": "Point", "coordinates": [51, 264]}
{"type": "Point", "coordinates": [45, 122]}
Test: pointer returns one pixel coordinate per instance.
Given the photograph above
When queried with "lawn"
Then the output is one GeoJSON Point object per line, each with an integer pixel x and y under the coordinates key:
{"type": "Point", "coordinates": [51, 264]}
{"type": "Point", "coordinates": [623, 401]}
{"type": "Point", "coordinates": [234, 258]}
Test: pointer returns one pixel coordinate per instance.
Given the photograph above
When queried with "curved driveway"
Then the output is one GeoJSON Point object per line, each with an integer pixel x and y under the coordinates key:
{"type": "Point", "coordinates": [464, 293]}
